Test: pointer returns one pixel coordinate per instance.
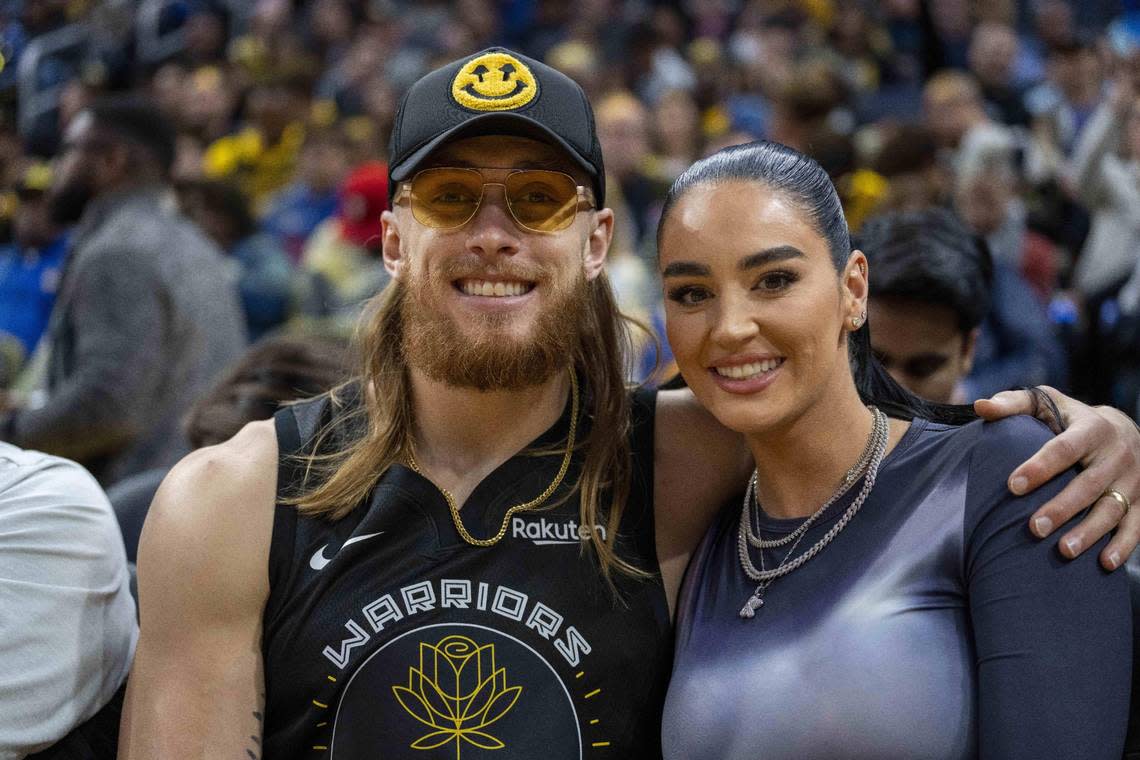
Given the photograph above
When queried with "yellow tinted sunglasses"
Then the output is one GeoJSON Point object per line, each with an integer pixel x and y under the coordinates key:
{"type": "Point", "coordinates": [539, 200]}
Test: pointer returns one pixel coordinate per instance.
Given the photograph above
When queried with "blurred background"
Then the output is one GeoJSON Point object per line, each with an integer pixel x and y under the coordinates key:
{"type": "Point", "coordinates": [1020, 116]}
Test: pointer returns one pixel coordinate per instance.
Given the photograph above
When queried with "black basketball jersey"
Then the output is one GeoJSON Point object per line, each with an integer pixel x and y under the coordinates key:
{"type": "Point", "coordinates": [387, 636]}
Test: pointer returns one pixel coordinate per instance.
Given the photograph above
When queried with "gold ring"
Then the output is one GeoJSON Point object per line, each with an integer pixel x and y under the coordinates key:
{"type": "Point", "coordinates": [1120, 498]}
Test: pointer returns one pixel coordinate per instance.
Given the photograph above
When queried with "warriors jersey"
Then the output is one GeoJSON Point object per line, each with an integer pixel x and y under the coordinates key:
{"type": "Point", "coordinates": [388, 636]}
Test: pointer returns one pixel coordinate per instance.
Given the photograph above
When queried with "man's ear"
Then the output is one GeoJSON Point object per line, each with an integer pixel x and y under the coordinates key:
{"type": "Point", "coordinates": [598, 244]}
{"type": "Point", "coordinates": [390, 244]}
{"type": "Point", "coordinates": [117, 162]}
{"type": "Point", "coordinates": [969, 345]}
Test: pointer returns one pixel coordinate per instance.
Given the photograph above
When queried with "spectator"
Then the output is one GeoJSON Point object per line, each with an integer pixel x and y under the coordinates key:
{"type": "Point", "coordinates": [908, 160]}
{"type": "Point", "coordinates": [29, 273]}
{"type": "Point", "coordinates": [947, 321]}
{"type": "Point", "coordinates": [262, 156]}
{"type": "Point", "coordinates": [993, 50]}
{"type": "Point", "coordinates": [985, 195]}
{"type": "Point", "coordinates": [295, 212]}
{"type": "Point", "coordinates": [266, 273]}
{"type": "Point", "coordinates": [1063, 104]}
{"type": "Point", "coordinates": [952, 105]}
{"type": "Point", "coordinates": [634, 192]}
{"type": "Point", "coordinates": [342, 258]}
{"type": "Point", "coordinates": [146, 314]}
{"type": "Point", "coordinates": [1106, 173]}
{"type": "Point", "coordinates": [68, 626]}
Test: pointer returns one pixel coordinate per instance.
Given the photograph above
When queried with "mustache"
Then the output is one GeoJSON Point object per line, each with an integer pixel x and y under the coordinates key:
{"type": "Point", "coordinates": [475, 267]}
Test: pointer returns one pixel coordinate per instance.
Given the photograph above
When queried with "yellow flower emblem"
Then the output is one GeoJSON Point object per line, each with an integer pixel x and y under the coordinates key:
{"type": "Point", "coordinates": [458, 692]}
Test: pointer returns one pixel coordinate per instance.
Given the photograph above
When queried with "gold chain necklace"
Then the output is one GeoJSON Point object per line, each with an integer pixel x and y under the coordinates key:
{"type": "Point", "coordinates": [538, 500]}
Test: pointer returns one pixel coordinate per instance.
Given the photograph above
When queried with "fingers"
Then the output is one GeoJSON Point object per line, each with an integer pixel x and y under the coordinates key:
{"type": "Point", "coordinates": [1089, 488]}
{"type": "Point", "coordinates": [1122, 545]}
{"type": "Point", "coordinates": [1059, 454]}
{"type": "Point", "coordinates": [1083, 491]}
{"type": "Point", "coordinates": [1004, 404]}
{"type": "Point", "coordinates": [1101, 519]}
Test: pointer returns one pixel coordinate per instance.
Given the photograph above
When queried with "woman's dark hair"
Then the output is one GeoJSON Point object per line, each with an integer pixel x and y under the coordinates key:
{"type": "Point", "coordinates": [804, 182]}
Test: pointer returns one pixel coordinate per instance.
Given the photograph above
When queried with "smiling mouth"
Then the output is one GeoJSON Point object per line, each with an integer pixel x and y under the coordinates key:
{"type": "Point", "coordinates": [470, 90]}
{"type": "Point", "coordinates": [488, 289]}
{"type": "Point", "coordinates": [750, 370]}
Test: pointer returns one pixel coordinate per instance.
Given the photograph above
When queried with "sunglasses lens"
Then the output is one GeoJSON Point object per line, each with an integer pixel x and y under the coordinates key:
{"type": "Point", "coordinates": [539, 200]}
{"type": "Point", "coordinates": [446, 197]}
{"type": "Point", "coordinates": [542, 201]}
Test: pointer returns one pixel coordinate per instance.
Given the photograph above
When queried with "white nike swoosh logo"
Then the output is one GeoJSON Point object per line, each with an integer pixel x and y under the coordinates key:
{"type": "Point", "coordinates": [319, 560]}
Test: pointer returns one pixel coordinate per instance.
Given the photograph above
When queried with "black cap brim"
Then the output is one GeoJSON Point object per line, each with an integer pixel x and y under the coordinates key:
{"type": "Point", "coordinates": [510, 124]}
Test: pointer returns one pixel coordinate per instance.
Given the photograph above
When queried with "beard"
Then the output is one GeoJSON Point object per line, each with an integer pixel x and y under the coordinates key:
{"type": "Point", "coordinates": [488, 357]}
{"type": "Point", "coordinates": [66, 204]}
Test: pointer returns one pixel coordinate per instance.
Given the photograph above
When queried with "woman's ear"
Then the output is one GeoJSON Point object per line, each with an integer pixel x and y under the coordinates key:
{"type": "Point", "coordinates": [856, 288]}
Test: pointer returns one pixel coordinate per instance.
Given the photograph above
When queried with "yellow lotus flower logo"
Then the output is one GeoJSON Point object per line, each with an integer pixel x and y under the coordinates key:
{"type": "Point", "coordinates": [458, 692]}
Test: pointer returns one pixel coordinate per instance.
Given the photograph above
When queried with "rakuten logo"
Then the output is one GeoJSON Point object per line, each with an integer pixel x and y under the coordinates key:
{"type": "Point", "coordinates": [543, 532]}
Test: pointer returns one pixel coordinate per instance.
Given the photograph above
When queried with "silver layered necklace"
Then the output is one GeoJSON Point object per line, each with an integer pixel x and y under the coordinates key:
{"type": "Point", "coordinates": [867, 465]}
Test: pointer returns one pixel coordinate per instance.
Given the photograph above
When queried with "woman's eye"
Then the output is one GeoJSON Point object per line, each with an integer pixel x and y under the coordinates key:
{"type": "Point", "coordinates": [688, 295]}
{"type": "Point", "coordinates": [776, 281]}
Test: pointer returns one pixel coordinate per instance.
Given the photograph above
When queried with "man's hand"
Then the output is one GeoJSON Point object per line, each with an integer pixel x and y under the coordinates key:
{"type": "Point", "coordinates": [1106, 443]}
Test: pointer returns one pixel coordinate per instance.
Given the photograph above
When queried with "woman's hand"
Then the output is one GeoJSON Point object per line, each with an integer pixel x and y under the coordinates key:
{"type": "Point", "coordinates": [1106, 443]}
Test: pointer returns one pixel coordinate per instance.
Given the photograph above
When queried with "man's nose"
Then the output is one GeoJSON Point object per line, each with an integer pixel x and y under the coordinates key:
{"type": "Point", "coordinates": [492, 231]}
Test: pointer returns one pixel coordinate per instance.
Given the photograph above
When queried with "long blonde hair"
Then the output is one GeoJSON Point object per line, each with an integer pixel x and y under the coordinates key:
{"type": "Point", "coordinates": [370, 435]}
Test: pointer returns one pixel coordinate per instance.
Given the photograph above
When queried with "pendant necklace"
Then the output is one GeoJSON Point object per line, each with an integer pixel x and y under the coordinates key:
{"type": "Point", "coordinates": [867, 466]}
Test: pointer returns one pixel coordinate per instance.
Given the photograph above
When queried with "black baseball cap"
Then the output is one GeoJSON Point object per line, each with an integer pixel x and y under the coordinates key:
{"type": "Point", "coordinates": [495, 92]}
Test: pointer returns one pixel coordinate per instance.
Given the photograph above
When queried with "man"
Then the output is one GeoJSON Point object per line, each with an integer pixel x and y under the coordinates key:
{"type": "Point", "coordinates": [29, 272]}
{"type": "Point", "coordinates": [147, 313]}
{"type": "Point", "coordinates": [68, 621]}
{"type": "Point", "coordinates": [410, 624]}
{"type": "Point", "coordinates": [949, 322]}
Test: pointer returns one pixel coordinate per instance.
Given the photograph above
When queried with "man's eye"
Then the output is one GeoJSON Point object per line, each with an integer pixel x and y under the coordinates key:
{"type": "Point", "coordinates": [534, 194]}
{"type": "Point", "coordinates": [925, 366]}
{"type": "Point", "coordinates": [451, 197]}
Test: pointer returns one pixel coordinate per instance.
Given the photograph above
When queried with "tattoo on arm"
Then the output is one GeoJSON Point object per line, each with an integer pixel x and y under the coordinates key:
{"type": "Point", "coordinates": [253, 751]}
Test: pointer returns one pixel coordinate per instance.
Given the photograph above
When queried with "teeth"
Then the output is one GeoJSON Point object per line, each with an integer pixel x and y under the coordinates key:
{"type": "Point", "coordinates": [750, 370]}
{"type": "Point", "coordinates": [493, 289]}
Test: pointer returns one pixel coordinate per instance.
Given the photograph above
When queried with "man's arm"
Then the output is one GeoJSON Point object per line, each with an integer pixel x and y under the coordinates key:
{"type": "Point", "coordinates": [1106, 443]}
{"type": "Point", "coordinates": [697, 465]}
{"type": "Point", "coordinates": [197, 687]}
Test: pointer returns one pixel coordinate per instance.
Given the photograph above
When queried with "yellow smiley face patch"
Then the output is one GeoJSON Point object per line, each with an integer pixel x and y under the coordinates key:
{"type": "Point", "coordinates": [494, 82]}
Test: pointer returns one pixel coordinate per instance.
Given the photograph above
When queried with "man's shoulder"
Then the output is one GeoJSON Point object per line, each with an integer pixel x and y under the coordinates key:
{"type": "Point", "coordinates": [55, 505]}
{"type": "Point", "coordinates": [246, 463]}
{"type": "Point", "coordinates": [212, 517]}
{"type": "Point", "coordinates": [28, 476]}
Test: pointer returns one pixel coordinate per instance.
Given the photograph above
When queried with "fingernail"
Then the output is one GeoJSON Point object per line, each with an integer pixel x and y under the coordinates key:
{"type": "Point", "coordinates": [1018, 484]}
{"type": "Point", "coordinates": [1114, 559]}
{"type": "Point", "coordinates": [1073, 544]}
{"type": "Point", "coordinates": [1042, 526]}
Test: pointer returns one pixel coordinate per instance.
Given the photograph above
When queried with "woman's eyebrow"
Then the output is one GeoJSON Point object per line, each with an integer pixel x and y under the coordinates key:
{"type": "Point", "coordinates": [770, 256]}
{"type": "Point", "coordinates": [685, 269]}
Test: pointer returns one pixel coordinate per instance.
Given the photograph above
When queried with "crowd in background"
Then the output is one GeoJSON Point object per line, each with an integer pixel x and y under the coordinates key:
{"type": "Point", "coordinates": [1023, 117]}
{"type": "Point", "coordinates": [191, 192]}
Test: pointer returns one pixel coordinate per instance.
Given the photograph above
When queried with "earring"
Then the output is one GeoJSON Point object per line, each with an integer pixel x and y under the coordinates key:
{"type": "Point", "coordinates": [857, 322]}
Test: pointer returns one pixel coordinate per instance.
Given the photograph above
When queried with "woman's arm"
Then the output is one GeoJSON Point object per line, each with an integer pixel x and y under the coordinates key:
{"type": "Point", "coordinates": [1053, 637]}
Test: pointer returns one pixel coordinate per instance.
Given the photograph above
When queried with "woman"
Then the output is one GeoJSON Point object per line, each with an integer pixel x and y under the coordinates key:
{"type": "Point", "coordinates": [876, 595]}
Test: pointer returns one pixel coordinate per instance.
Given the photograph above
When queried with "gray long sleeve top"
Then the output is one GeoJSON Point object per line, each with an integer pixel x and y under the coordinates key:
{"type": "Point", "coordinates": [147, 316]}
